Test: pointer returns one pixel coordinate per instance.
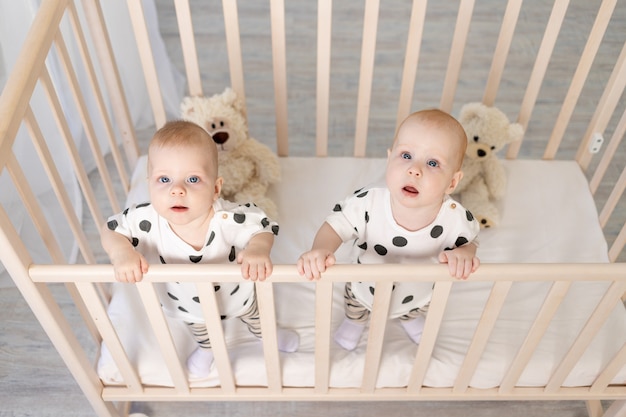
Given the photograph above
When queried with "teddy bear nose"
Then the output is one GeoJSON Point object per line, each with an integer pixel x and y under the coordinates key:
{"type": "Point", "coordinates": [220, 137]}
{"type": "Point", "coordinates": [481, 153]}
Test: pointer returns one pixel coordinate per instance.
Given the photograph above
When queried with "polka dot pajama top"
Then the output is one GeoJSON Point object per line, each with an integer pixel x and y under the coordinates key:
{"type": "Point", "coordinates": [366, 219]}
{"type": "Point", "coordinates": [230, 231]}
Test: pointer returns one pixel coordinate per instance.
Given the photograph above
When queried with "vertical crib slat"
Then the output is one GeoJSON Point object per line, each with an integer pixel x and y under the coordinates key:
{"type": "Point", "coordinates": [265, 297]}
{"type": "Point", "coordinates": [212, 316]}
{"type": "Point", "coordinates": [411, 59]}
{"type": "Point", "coordinates": [507, 29]}
{"type": "Point", "coordinates": [539, 70]}
{"type": "Point", "coordinates": [324, 30]}
{"type": "Point", "coordinates": [580, 76]}
{"type": "Point", "coordinates": [45, 232]}
{"type": "Point", "coordinates": [146, 56]}
{"type": "Point", "coordinates": [21, 84]}
{"type": "Point", "coordinates": [481, 336]}
{"type": "Point", "coordinates": [99, 314]}
{"type": "Point", "coordinates": [72, 150]}
{"type": "Point", "coordinates": [188, 44]}
{"type": "Point", "coordinates": [111, 76]}
{"type": "Point", "coordinates": [16, 259]}
{"type": "Point", "coordinates": [233, 45]}
{"type": "Point", "coordinates": [461, 29]}
{"type": "Point", "coordinates": [99, 99]}
{"type": "Point", "coordinates": [437, 307]}
{"type": "Point", "coordinates": [366, 74]}
{"type": "Point", "coordinates": [618, 243]}
{"type": "Point", "coordinates": [86, 119]}
{"type": "Point", "coordinates": [605, 108]}
{"type": "Point", "coordinates": [608, 374]}
{"type": "Point", "coordinates": [606, 160]}
{"type": "Point", "coordinates": [323, 317]}
{"type": "Point", "coordinates": [57, 185]}
{"type": "Point", "coordinates": [155, 315]}
{"type": "Point", "coordinates": [34, 209]}
{"type": "Point", "coordinates": [376, 335]}
{"type": "Point", "coordinates": [537, 330]}
{"type": "Point", "coordinates": [279, 60]}
{"type": "Point", "coordinates": [586, 335]}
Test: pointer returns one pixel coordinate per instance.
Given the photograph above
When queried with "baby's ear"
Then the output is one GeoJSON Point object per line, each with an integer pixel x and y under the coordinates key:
{"type": "Point", "coordinates": [456, 179]}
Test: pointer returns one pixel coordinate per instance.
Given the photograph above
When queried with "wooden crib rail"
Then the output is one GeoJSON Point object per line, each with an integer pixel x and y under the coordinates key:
{"type": "Point", "coordinates": [503, 277]}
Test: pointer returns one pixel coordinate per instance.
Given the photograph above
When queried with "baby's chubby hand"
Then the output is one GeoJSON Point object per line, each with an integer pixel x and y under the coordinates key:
{"type": "Point", "coordinates": [462, 261]}
{"type": "Point", "coordinates": [311, 264]}
{"type": "Point", "coordinates": [129, 266]}
{"type": "Point", "coordinates": [255, 266]}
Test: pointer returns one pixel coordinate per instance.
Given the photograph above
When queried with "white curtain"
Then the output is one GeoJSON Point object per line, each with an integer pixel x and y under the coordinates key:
{"type": "Point", "coordinates": [15, 20]}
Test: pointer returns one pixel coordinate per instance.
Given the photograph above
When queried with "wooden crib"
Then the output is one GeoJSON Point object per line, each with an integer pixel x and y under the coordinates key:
{"type": "Point", "coordinates": [571, 344]}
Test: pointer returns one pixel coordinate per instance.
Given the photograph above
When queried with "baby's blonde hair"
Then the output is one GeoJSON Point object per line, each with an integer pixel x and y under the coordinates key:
{"type": "Point", "coordinates": [442, 120]}
{"type": "Point", "coordinates": [183, 133]}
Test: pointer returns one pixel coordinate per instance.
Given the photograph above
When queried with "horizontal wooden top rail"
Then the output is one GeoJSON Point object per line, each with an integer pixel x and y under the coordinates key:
{"type": "Point", "coordinates": [355, 394]}
{"type": "Point", "coordinates": [342, 273]}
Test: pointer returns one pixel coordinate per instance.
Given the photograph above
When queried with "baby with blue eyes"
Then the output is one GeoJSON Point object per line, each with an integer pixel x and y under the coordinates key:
{"type": "Point", "coordinates": [186, 221]}
{"type": "Point", "coordinates": [410, 218]}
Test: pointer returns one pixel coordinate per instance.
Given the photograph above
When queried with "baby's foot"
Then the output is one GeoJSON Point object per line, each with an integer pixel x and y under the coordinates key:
{"type": "Point", "coordinates": [199, 363]}
{"type": "Point", "coordinates": [348, 334]}
{"type": "Point", "coordinates": [288, 340]}
{"type": "Point", "coordinates": [414, 328]}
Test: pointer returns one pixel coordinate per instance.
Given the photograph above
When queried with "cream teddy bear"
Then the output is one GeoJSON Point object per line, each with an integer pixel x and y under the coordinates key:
{"type": "Point", "coordinates": [247, 166]}
{"type": "Point", "coordinates": [484, 178]}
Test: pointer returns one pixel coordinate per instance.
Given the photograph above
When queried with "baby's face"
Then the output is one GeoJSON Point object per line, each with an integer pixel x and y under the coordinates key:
{"type": "Point", "coordinates": [422, 166]}
{"type": "Point", "coordinates": [183, 185]}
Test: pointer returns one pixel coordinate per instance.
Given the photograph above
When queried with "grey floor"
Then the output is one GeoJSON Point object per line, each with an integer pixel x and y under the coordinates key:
{"type": "Point", "coordinates": [33, 379]}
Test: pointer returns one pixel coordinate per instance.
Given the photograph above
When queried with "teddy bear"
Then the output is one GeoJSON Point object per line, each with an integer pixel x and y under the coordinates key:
{"type": "Point", "coordinates": [484, 179]}
{"type": "Point", "coordinates": [247, 166]}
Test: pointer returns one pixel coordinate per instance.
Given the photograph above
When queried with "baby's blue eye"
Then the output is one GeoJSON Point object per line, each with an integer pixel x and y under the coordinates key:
{"type": "Point", "coordinates": [433, 163]}
{"type": "Point", "coordinates": [193, 180]}
{"type": "Point", "coordinates": [405, 155]}
{"type": "Point", "coordinates": [163, 180]}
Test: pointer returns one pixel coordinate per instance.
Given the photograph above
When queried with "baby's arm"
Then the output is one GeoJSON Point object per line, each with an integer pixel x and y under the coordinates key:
{"type": "Point", "coordinates": [128, 264]}
{"type": "Point", "coordinates": [462, 261]}
{"type": "Point", "coordinates": [255, 258]}
{"type": "Point", "coordinates": [311, 264]}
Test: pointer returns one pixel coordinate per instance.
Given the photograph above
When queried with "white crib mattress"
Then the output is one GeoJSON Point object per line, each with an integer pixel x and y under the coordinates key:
{"type": "Point", "coordinates": [545, 201]}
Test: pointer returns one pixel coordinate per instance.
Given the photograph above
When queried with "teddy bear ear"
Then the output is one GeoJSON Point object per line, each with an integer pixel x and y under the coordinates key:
{"type": "Point", "coordinates": [471, 111]}
{"type": "Point", "coordinates": [516, 131]}
{"type": "Point", "coordinates": [232, 99]}
{"type": "Point", "coordinates": [186, 106]}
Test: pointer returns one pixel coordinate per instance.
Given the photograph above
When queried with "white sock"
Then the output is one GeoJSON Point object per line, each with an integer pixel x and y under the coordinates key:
{"type": "Point", "coordinates": [348, 334]}
{"type": "Point", "coordinates": [414, 328]}
{"type": "Point", "coordinates": [288, 340]}
{"type": "Point", "coordinates": [199, 362]}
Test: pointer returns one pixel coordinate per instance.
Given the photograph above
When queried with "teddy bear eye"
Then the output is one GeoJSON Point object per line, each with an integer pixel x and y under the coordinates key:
{"type": "Point", "coordinates": [221, 124]}
{"type": "Point", "coordinates": [493, 147]}
{"type": "Point", "coordinates": [476, 138]}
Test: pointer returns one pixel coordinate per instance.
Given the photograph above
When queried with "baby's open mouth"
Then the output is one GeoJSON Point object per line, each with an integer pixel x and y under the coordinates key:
{"type": "Point", "coordinates": [410, 190]}
{"type": "Point", "coordinates": [179, 208]}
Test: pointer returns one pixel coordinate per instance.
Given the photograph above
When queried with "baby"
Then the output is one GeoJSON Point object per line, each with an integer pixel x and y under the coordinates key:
{"type": "Point", "coordinates": [187, 222]}
{"type": "Point", "coordinates": [408, 219]}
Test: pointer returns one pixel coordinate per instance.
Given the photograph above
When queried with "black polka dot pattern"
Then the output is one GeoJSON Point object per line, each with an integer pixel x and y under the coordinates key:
{"type": "Point", "coordinates": [145, 226]}
{"type": "Point", "coordinates": [436, 231]}
{"type": "Point", "coordinates": [180, 297]}
{"type": "Point", "coordinates": [380, 249]}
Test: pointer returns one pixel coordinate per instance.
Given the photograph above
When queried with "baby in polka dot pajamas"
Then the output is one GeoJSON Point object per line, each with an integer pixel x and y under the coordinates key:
{"type": "Point", "coordinates": [187, 222]}
{"type": "Point", "coordinates": [410, 218]}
